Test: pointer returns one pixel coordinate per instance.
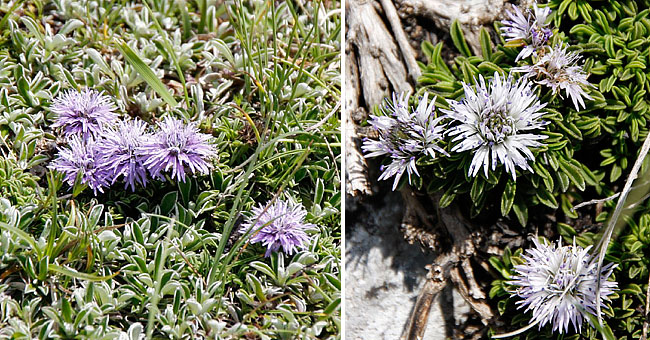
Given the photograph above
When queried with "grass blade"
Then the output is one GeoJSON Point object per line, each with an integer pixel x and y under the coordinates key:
{"type": "Point", "coordinates": [147, 74]}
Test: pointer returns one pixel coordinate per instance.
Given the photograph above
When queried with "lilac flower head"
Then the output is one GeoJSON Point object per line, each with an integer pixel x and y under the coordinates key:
{"type": "Point", "coordinates": [557, 69]}
{"type": "Point", "coordinates": [530, 29]}
{"type": "Point", "coordinates": [83, 157]}
{"type": "Point", "coordinates": [493, 122]}
{"type": "Point", "coordinates": [178, 147]}
{"type": "Point", "coordinates": [281, 225]}
{"type": "Point", "coordinates": [558, 283]}
{"type": "Point", "coordinates": [83, 113]}
{"type": "Point", "coordinates": [404, 135]}
{"type": "Point", "coordinates": [119, 149]}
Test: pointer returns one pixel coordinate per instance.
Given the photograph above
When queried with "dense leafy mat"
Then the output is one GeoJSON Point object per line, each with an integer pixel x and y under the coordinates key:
{"type": "Point", "coordinates": [168, 260]}
{"type": "Point", "coordinates": [559, 155]}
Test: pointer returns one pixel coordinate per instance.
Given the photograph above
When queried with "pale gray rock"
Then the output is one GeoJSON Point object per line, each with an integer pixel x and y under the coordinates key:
{"type": "Point", "coordinates": [384, 275]}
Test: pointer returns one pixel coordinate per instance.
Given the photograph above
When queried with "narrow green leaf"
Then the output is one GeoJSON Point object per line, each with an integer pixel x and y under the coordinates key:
{"type": "Point", "coordinates": [521, 210]}
{"type": "Point", "coordinates": [486, 44]}
{"type": "Point", "coordinates": [320, 190]}
{"type": "Point", "coordinates": [446, 199]}
{"type": "Point", "coordinates": [574, 173]}
{"type": "Point", "coordinates": [147, 74]}
{"type": "Point", "coordinates": [77, 275]}
{"type": "Point", "coordinates": [547, 198]}
{"type": "Point", "coordinates": [458, 38]}
{"type": "Point", "coordinates": [508, 197]}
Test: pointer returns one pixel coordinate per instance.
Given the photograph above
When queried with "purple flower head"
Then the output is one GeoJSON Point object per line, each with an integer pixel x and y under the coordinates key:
{"type": "Point", "coordinates": [177, 147]}
{"type": "Point", "coordinates": [557, 69]}
{"type": "Point", "coordinates": [83, 113]}
{"type": "Point", "coordinates": [404, 135]}
{"type": "Point", "coordinates": [558, 283]}
{"type": "Point", "coordinates": [530, 29]}
{"type": "Point", "coordinates": [119, 151]}
{"type": "Point", "coordinates": [82, 156]}
{"type": "Point", "coordinates": [494, 121]}
{"type": "Point", "coordinates": [281, 225]}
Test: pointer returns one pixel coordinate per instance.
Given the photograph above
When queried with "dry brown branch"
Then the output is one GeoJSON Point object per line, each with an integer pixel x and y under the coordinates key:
{"type": "Point", "coordinates": [356, 166]}
{"type": "Point", "coordinates": [481, 307]}
{"type": "Point", "coordinates": [407, 51]}
{"type": "Point", "coordinates": [417, 323]}
{"type": "Point", "coordinates": [379, 61]}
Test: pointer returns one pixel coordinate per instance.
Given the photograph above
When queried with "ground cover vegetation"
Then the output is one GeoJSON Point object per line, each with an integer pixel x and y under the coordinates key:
{"type": "Point", "coordinates": [549, 114]}
{"type": "Point", "coordinates": [170, 169]}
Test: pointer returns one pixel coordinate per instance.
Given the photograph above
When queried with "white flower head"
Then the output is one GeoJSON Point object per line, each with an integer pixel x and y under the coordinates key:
{"type": "Point", "coordinates": [405, 135]}
{"type": "Point", "coordinates": [493, 121]}
{"type": "Point", "coordinates": [531, 29]}
{"type": "Point", "coordinates": [558, 283]}
{"type": "Point", "coordinates": [557, 69]}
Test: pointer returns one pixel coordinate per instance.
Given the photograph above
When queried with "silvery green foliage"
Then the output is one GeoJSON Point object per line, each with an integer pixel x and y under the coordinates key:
{"type": "Point", "coordinates": [150, 254]}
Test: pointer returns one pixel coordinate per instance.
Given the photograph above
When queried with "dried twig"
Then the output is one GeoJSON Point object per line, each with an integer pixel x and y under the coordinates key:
{"type": "Point", "coordinates": [436, 281]}
{"type": "Point", "coordinates": [402, 41]}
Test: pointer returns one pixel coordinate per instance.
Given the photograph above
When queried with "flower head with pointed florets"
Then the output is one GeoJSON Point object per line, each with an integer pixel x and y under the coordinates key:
{"type": "Point", "coordinates": [178, 147]}
{"type": "Point", "coordinates": [493, 121]}
{"type": "Point", "coordinates": [405, 135]}
{"type": "Point", "coordinates": [119, 149]}
{"type": "Point", "coordinates": [82, 157]}
{"type": "Point", "coordinates": [281, 225]}
{"type": "Point", "coordinates": [530, 29]}
{"type": "Point", "coordinates": [84, 113]}
{"type": "Point", "coordinates": [557, 69]}
{"type": "Point", "coordinates": [558, 283]}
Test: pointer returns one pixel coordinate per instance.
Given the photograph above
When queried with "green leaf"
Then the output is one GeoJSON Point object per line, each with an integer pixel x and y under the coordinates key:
{"type": "Point", "coordinates": [458, 38]}
{"type": "Point", "coordinates": [446, 199]}
{"type": "Point", "coordinates": [147, 74]}
{"type": "Point", "coordinates": [498, 265]}
{"type": "Point", "coordinates": [66, 310]}
{"type": "Point", "coordinates": [521, 210]}
{"type": "Point", "coordinates": [632, 288]}
{"type": "Point", "coordinates": [185, 189]}
{"type": "Point", "coordinates": [566, 230]}
{"type": "Point", "coordinates": [332, 307]}
{"type": "Point", "coordinates": [320, 189]}
{"type": "Point", "coordinates": [22, 235]}
{"type": "Point", "coordinates": [615, 173]}
{"type": "Point", "coordinates": [486, 44]}
{"type": "Point", "coordinates": [508, 197]}
{"type": "Point", "coordinates": [23, 89]}
{"type": "Point", "coordinates": [490, 67]}
{"type": "Point", "coordinates": [77, 275]}
{"type": "Point", "coordinates": [168, 202]}
{"type": "Point", "coordinates": [574, 173]}
{"type": "Point", "coordinates": [547, 198]}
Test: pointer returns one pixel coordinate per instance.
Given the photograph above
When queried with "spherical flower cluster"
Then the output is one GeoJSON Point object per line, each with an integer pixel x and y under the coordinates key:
{"type": "Point", "coordinates": [122, 153]}
{"type": "Point", "coordinates": [177, 147]}
{"type": "Point", "coordinates": [530, 30]}
{"type": "Point", "coordinates": [557, 69]}
{"type": "Point", "coordinates": [83, 113]}
{"type": "Point", "coordinates": [558, 283]}
{"type": "Point", "coordinates": [494, 121]}
{"type": "Point", "coordinates": [115, 149]}
{"type": "Point", "coordinates": [82, 158]}
{"type": "Point", "coordinates": [279, 225]}
{"type": "Point", "coordinates": [404, 135]}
